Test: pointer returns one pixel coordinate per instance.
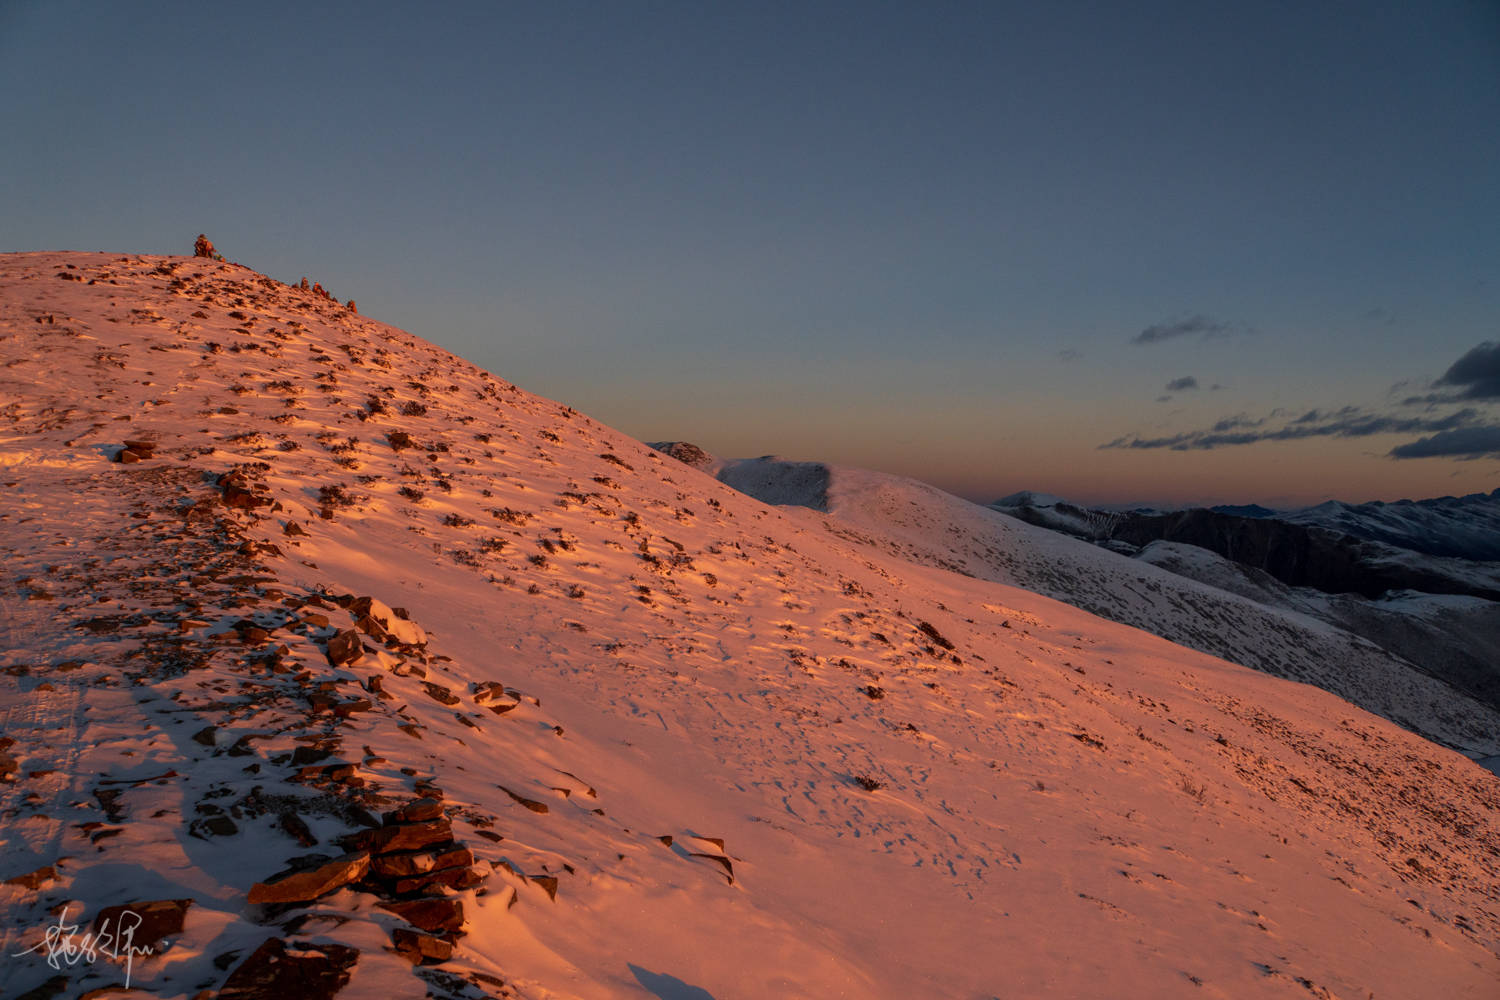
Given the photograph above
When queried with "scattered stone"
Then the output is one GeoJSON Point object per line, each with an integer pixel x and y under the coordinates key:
{"type": "Point", "coordinates": [310, 877]}
{"type": "Point", "coordinates": [548, 884]}
{"type": "Point", "coordinates": [47, 990]}
{"type": "Point", "coordinates": [208, 736]}
{"type": "Point", "coordinates": [297, 829]}
{"type": "Point", "coordinates": [416, 811]}
{"type": "Point", "coordinates": [399, 627]}
{"type": "Point", "coordinates": [400, 837]}
{"type": "Point", "coordinates": [532, 804]}
{"type": "Point", "coordinates": [344, 648]}
{"type": "Point", "coordinates": [146, 924]}
{"type": "Point", "coordinates": [418, 948]}
{"type": "Point", "coordinates": [404, 864]}
{"type": "Point", "coordinates": [34, 880]}
{"type": "Point", "coordinates": [437, 914]}
{"type": "Point", "coordinates": [213, 826]}
{"type": "Point", "coordinates": [303, 971]}
{"type": "Point", "coordinates": [439, 693]}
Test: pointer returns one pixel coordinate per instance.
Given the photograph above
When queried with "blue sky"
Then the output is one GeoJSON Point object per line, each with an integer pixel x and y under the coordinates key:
{"type": "Point", "coordinates": [925, 238]}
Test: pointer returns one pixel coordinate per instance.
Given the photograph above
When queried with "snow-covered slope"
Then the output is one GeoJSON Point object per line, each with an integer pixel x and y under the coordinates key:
{"type": "Point", "coordinates": [1180, 592]}
{"type": "Point", "coordinates": [635, 733]}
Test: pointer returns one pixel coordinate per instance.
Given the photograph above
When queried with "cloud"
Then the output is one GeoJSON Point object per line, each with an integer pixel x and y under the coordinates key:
{"type": "Point", "coordinates": [1199, 325]}
{"type": "Point", "coordinates": [1069, 354]}
{"type": "Point", "coordinates": [1477, 373]}
{"type": "Point", "coordinates": [1462, 442]}
{"type": "Point", "coordinates": [1349, 422]}
{"type": "Point", "coordinates": [1182, 384]}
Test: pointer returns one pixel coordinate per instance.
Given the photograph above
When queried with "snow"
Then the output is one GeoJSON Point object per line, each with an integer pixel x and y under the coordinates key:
{"type": "Point", "coordinates": [1061, 805]}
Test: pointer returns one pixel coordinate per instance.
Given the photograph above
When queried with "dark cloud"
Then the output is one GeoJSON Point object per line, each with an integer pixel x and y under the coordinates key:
{"type": "Point", "coordinates": [1182, 384]}
{"type": "Point", "coordinates": [1348, 422]}
{"type": "Point", "coordinates": [1477, 374]}
{"type": "Point", "coordinates": [1198, 325]}
{"type": "Point", "coordinates": [1462, 442]}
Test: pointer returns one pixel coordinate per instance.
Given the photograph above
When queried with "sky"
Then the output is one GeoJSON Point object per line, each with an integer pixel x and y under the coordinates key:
{"type": "Point", "coordinates": [1161, 252]}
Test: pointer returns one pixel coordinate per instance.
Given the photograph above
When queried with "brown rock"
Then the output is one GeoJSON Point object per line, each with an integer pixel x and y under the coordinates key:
{"type": "Point", "coordinates": [34, 880]}
{"type": "Point", "coordinates": [418, 948]}
{"type": "Point", "coordinates": [447, 878]}
{"type": "Point", "coordinates": [311, 877]}
{"type": "Point", "coordinates": [305, 972]}
{"type": "Point", "coordinates": [415, 811]}
{"type": "Point", "coordinates": [372, 628]}
{"type": "Point", "coordinates": [401, 837]}
{"type": "Point", "coordinates": [439, 693]}
{"type": "Point", "coordinates": [344, 648]}
{"type": "Point", "coordinates": [407, 863]}
{"type": "Point", "coordinates": [437, 914]}
{"type": "Point", "coordinates": [142, 448]}
{"type": "Point", "coordinates": [142, 925]}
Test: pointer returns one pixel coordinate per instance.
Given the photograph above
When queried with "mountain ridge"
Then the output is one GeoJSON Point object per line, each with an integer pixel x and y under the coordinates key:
{"type": "Point", "coordinates": [670, 726]}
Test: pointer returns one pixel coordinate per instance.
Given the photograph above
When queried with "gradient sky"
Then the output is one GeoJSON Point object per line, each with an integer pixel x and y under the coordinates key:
{"type": "Point", "coordinates": [971, 243]}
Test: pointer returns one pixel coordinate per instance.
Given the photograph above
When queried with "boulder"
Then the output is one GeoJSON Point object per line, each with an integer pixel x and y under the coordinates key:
{"type": "Point", "coordinates": [398, 627]}
{"type": "Point", "coordinates": [436, 915]}
{"type": "Point", "coordinates": [311, 877]}
{"type": "Point", "coordinates": [418, 948]}
{"type": "Point", "coordinates": [142, 925]}
{"type": "Point", "coordinates": [344, 648]}
{"type": "Point", "coordinates": [299, 971]}
{"type": "Point", "coordinates": [401, 837]}
{"type": "Point", "coordinates": [402, 864]}
{"type": "Point", "coordinates": [415, 811]}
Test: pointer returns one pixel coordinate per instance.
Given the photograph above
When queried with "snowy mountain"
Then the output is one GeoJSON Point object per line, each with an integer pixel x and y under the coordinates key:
{"type": "Point", "coordinates": [331, 664]}
{"type": "Point", "coordinates": [1457, 527]}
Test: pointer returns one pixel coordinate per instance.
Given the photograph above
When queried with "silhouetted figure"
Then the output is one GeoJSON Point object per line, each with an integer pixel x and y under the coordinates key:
{"type": "Point", "coordinates": [203, 248]}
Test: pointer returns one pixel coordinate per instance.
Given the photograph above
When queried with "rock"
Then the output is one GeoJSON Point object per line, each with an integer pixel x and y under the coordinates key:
{"type": "Point", "coordinates": [439, 693]}
{"type": "Point", "coordinates": [297, 829]}
{"type": "Point", "coordinates": [127, 457]}
{"type": "Point", "coordinates": [145, 923]}
{"type": "Point", "coordinates": [208, 736]}
{"type": "Point", "coordinates": [401, 837]}
{"type": "Point", "coordinates": [415, 811]}
{"type": "Point", "coordinates": [310, 877]}
{"type": "Point", "coordinates": [344, 648]}
{"type": "Point", "coordinates": [8, 766]}
{"type": "Point", "coordinates": [372, 628]}
{"type": "Point", "coordinates": [417, 947]}
{"type": "Point", "coordinates": [437, 914]}
{"type": "Point", "coordinates": [447, 878]}
{"type": "Point", "coordinates": [397, 626]}
{"type": "Point", "coordinates": [488, 691]}
{"type": "Point", "coordinates": [142, 448]}
{"type": "Point", "coordinates": [213, 826]}
{"type": "Point", "coordinates": [34, 880]}
{"type": "Point", "coordinates": [48, 990]}
{"type": "Point", "coordinates": [305, 755]}
{"type": "Point", "coordinates": [407, 863]}
{"type": "Point", "coordinates": [548, 884]}
{"type": "Point", "coordinates": [292, 529]}
{"type": "Point", "coordinates": [303, 971]}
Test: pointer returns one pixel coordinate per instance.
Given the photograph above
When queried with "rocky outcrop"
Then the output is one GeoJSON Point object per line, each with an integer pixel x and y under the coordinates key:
{"type": "Point", "coordinates": [299, 970]}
